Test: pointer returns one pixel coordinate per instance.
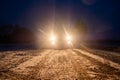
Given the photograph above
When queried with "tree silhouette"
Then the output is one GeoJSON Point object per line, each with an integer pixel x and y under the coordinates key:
{"type": "Point", "coordinates": [15, 34]}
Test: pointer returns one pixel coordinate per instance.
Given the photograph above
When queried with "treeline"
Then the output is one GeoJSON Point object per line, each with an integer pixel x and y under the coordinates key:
{"type": "Point", "coordinates": [101, 41]}
{"type": "Point", "coordinates": [15, 34]}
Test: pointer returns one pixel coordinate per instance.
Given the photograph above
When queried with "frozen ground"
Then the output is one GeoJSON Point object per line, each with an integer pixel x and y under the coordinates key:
{"type": "Point", "coordinates": [76, 64]}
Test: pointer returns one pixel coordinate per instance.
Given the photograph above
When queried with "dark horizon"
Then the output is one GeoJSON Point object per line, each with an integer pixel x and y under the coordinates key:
{"type": "Point", "coordinates": [100, 16]}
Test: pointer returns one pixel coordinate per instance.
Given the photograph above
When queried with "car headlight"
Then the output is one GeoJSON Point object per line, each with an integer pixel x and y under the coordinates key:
{"type": "Point", "coordinates": [53, 39]}
{"type": "Point", "coordinates": [69, 39]}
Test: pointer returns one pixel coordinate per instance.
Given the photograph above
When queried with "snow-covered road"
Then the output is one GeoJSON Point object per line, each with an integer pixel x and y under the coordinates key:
{"type": "Point", "coordinates": [69, 64]}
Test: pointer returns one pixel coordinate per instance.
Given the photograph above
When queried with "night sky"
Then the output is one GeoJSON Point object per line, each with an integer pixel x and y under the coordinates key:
{"type": "Point", "coordinates": [102, 17]}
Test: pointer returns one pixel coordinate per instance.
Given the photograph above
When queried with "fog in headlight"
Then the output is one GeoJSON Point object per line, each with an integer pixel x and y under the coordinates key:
{"type": "Point", "coordinates": [52, 38]}
{"type": "Point", "coordinates": [69, 42]}
{"type": "Point", "coordinates": [53, 42]}
{"type": "Point", "coordinates": [68, 38]}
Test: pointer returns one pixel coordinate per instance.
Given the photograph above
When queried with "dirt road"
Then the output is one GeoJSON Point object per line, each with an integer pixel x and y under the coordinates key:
{"type": "Point", "coordinates": [56, 65]}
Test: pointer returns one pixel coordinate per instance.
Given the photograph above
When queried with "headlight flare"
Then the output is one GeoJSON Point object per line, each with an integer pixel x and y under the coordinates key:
{"type": "Point", "coordinates": [68, 42]}
{"type": "Point", "coordinates": [69, 39]}
{"type": "Point", "coordinates": [53, 42]}
{"type": "Point", "coordinates": [53, 39]}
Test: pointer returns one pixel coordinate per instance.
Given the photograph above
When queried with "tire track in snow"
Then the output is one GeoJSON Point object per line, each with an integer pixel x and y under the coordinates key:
{"type": "Point", "coordinates": [64, 64]}
{"type": "Point", "coordinates": [100, 59]}
{"type": "Point", "coordinates": [23, 68]}
{"type": "Point", "coordinates": [57, 66]}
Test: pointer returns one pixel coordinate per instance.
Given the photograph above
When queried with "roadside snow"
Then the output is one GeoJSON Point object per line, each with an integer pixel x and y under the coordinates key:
{"type": "Point", "coordinates": [22, 68]}
{"type": "Point", "coordinates": [100, 59]}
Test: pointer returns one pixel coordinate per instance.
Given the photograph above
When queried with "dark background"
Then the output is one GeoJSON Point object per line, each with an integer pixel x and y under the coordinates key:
{"type": "Point", "coordinates": [101, 17]}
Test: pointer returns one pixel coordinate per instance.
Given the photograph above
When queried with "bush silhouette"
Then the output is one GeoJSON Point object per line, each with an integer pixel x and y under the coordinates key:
{"type": "Point", "coordinates": [15, 34]}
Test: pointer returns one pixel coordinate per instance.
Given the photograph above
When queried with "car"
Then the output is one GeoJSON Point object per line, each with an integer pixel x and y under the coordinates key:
{"type": "Point", "coordinates": [60, 40]}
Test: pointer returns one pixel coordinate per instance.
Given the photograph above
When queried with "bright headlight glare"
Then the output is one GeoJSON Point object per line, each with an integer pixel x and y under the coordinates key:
{"type": "Point", "coordinates": [53, 42]}
{"type": "Point", "coordinates": [68, 42]}
{"type": "Point", "coordinates": [68, 38]}
{"type": "Point", "coordinates": [53, 38]}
